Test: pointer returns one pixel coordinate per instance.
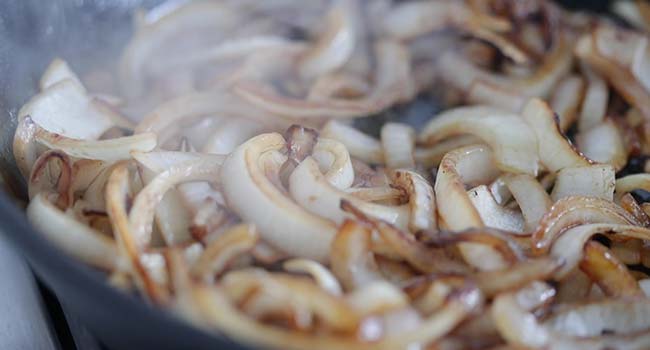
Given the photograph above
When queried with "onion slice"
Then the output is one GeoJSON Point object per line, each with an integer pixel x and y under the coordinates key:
{"type": "Point", "coordinates": [282, 223]}
{"type": "Point", "coordinates": [512, 140]}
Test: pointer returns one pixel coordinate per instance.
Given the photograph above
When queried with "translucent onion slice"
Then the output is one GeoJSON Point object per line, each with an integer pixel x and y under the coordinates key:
{"type": "Point", "coordinates": [334, 162]}
{"type": "Point", "coordinates": [405, 246]}
{"type": "Point", "coordinates": [566, 99]}
{"type": "Point", "coordinates": [52, 175]}
{"type": "Point", "coordinates": [117, 192]}
{"type": "Point", "coordinates": [603, 143]}
{"type": "Point", "coordinates": [360, 145]}
{"type": "Point", "coordinates": [223, 250]}
{"type": "Point", "coordinates": [554, 149]}
{"type": "Point", "coordinates": [420, 198]}
{"type": "Point", "coordinates": [398, 142]}
{"type": "Point", "coordinates": [282, 223]}
{"type": "Point", "coordinates": [492, 214]}
{"type": "Point", "coordinates": [594, 104]}
{"type": "Point", "coordinates": [457, 210]}
{"type": "Point", "coordinates": [144, 204]}
{"type": "Point", "coordinates": [152, 36]}
{"type": "Point", "coordinates": [230, 134]}
{"type": "Point", "coordinates": [65, 108]}
{"type": "Point", "coordinates": [492, 283]}
{"type": "Point", "coordinates": [590, 181]}
{"type": "Point", "coordinates": [57, 71]}
{"type": "Point", "coordinates": [351, 259]}
{"type": "Point", "coordinates": [569, 246]}
{"type": "Point", "coordinates": [632, 182]}
{"type": "Point", "coordinates": [572, 211]}
{"type": "Point", "coordinates": [71, 236]}
{"type": "Point", "coordinates": [310, 189]}
{"type": "Point", "coordinates": [607, 272]}
{"type": "Point", "coordinates": [334, 46]}
{"type": "Point", "coordinates": [109, 150]}
{"type": "Point", "coordinates": [512, 140]}
{"type": "Point", "coordinates": [619, 74]}
{"type": "Point", "coordinates": [323, 277]}
{"type": "Point", "coordinates": [531, 197]}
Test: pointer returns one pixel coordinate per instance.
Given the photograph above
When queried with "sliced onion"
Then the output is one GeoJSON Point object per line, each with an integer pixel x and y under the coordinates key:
{"type": "Point", "coordinates": [431, 156]}
{"type": "Point", "coordinates": [554, 149]}
{"type": "Point", "coordinates": [603, 143]}
{"type": "Point", "coordinates": [65, 108]}
{"type": "Point", "coordinates": [512, 140]}
{"type": "Point", "coordinates": [220, 252]}
{"type": "Point", "coordinates": [57, 71]}
{"type": "Point", "coordinates": [569, 246]}
{"type": "Point", "coordinates": [231, 134]}
{"type": "Point", "coordinates": [630, 183]}
{"type": "Point", "coordinates": [335, 163]}
{"type": "Point", "coordinates": [421, 199]}
{"type": "Point", "coordinates": [457, 210]}
{"type": "Point", "coordinates": [107, 150]}
{"type": "Point", "coordinates": [566, 100]}
{"type": "Point", "coordinates": [117, 190]}
{"type": "Point", "coordinates": [612, 276]}
{"type": "Point", "coordinates": [492, 214]}
{"type": "Point", "coordinates": [594, 104]}
{"type": "Point", "coordinates": [360, 145]}
{"type": "Point", "coordinates": [310, 189]}
{"type": "Point", "coordinates": [282, 223]}
{"type": "Point", "coordinates": [320, 273]}
{"type": "Point", "coordinates": [351, 259]}
{"type": "Point", "coordinates": [398, 142]}
{"type": "Point", "coordinates": [405, 246]}
{"type": "Point", "coordinates": [531, 197]}
{"type": "Point", "coordinates": [334, 46]}
{"type": "Point", "coordinates": [590, 181]}
{"type": "Point", "coordinates": [572, 211]}
{"type": "Point", "coordinates": [144, 204]}
{"type": "Point", "coordinates": [494, 282]}
{"type": "Point", "coordinates": [55, 184]}
{"type": "Point", "coordinates": [71, 236]}
{"type": "Point", "coordinates": [482, 92]}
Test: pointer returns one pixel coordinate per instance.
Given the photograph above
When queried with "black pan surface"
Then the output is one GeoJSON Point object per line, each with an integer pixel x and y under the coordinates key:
{"type": "Point", "coordinates": [84, 32]}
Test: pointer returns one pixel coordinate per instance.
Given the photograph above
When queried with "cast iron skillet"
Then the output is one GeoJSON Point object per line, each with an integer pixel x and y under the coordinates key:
{"type": "Point", "coordinates": [85, 33]}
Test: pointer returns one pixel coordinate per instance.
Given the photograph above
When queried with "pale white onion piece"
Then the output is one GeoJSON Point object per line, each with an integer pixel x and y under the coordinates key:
{"type": "Point", "coordinates": [589, 181]}
{"type": "Point", "coordinates": [334, 46]}
{"type": "Point", "coordinates": [431, 156]}
{"type": "Point", "coordinates": [65, 108]}
{"type": "Point", "coordinates": [109, 150]}
{"type": "Point", "coordinates": [282, 223]}
{"type": "Point", "coordinates": [150, 38]}
{"type": "Point", "coordinates": [594, 104]}
{"type": "Point", "coordinates": [320, 273]}
{"type": "Point", "coordinates": [71, 236]}
{"type": "Point", "coordinates": [310, 189]}
{"type": "Point", "coordinates": [632, 182]}
{"type": "Point", "coordinates": [469, 164]}
{"type": "Point", "coordinates": [334, 162]}
{"type": "Point", "coordinates": [572, 211]}
{"type": "Point", "coordinates": [630, 11]}
{"type": "Point", "coordinates": [531, 197]}
{"type": "Point", "coordinates": [338, 85]}
{"type": "Point", "coordinates": [360, 145]}
{"type": "Point", "coordinates": [569, 246]}
{"type": "Point", "coordinates": [492, 214]}
{"type": "Point", "coordinates": [57, 71]}
{"type": "Point", "coordinates": [603, 143]}
{"type": "Point", "coordinates": [482, 92]}
{"type": "Point", "coordinates": [377, 297]}
{"type": "Point", "coordinates": [383, 194]}
{"type": "Point", "coordinates": [554, 149]}
{"type": "Point", "coordinates": [398, 142]}
{"type": "Point", "coordinates": [230, 134]}
{"type": "Point", "coordinates": [461, 73]}
{"type": "Point", "coordinates": [351, 258]}
{"type": "Point", "coordinates": [512, 140]}
{"type": "Point", "coordinates": [142, 212]}
{"type": "Point", "coordinates": [566, 99]}
{"type": "Point", "coordinates": [515, 323]}
{"type": "Point", "coordinates": [422, 202]}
